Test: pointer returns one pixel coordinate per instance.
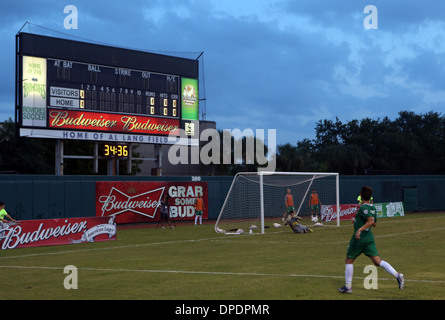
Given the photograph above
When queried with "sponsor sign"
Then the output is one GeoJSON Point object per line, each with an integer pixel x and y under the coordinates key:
{"type": "Point", "coordinates": [190, 99]}
{"type": "Point", "coordinates": [105, 136]}
{"type": "Point", "coordinates": [84, 120]}
{"type": "Point", "coordinates": [348, 211]}
{"type": "Point", "coordinates": [389, 209]}
{"type": "Point", "coordinates": [134, 202]}
{"type": "Point", "coordinates": [34, 91]}
{"type": "Point", "coordinates": [50, 232]}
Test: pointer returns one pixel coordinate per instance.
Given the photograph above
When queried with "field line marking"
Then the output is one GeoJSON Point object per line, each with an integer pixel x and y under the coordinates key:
{"type": "Point", "coordinates": [108, 248]}
{"type": "Point", "coordinates": [217, 238]}
{"type": "Point", "coordinates": [214, 273]}
{"type": "Point", "coordinates": [334, 242]}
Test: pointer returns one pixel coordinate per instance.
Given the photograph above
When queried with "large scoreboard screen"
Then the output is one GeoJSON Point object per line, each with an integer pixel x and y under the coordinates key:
{"type": "Point", "coordinates": [77, 90]}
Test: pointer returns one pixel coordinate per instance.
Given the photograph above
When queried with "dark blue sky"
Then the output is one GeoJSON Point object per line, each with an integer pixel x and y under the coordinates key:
{"type": "Point", "coordinates": [281, 64]}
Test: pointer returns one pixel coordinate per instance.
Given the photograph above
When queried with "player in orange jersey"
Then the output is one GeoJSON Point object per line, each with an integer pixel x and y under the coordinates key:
{"type": "Point", "coordinates": [314, 203]}
{"type": "Point", "coordinates": [289, 203]}
{"type": "Point", "coordinates": [199, 209]}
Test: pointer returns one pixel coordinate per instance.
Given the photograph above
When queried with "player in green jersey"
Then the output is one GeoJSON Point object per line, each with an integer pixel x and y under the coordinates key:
{"type": "Point", "coordinates": [362, 241]}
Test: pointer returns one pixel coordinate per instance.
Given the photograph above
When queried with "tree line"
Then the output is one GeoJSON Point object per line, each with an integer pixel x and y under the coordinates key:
{"type": "Point", "coordinates": [410, 144]}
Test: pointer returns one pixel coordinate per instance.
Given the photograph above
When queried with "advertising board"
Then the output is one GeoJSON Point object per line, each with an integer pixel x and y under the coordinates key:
{"type": "Point", "coordinates": [134, 202]}
{"type": "Point", "coordinates": [348, 211]}
{"type": "Point", "coordinates": [50, 232]}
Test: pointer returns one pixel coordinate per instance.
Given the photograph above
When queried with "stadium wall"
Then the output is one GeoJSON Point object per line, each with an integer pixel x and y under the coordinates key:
{"type": "Point", "coordinates": [47, 197]}
{"type": "Point", "coordinates": [418, 192]}
{"type": "Point", "coordinates": [30, 197]}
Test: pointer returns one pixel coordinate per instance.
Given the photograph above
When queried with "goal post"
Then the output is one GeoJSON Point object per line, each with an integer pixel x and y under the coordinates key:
{"type": "Point", "coordinates": [256, 200]}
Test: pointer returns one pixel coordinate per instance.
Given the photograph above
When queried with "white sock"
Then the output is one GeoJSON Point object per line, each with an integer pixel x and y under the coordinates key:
{"type": "Point", "coordinates": [349, 271]}
{"type": "Point", "coordinates": [196, 219]}
{"type": "Point", "coordinates": [385, 265]}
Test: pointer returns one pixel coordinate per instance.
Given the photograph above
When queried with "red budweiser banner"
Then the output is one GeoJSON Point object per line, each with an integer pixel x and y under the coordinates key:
{"type": "Point", "coordinates": [132, 202]}
{"type": "Point", "coordinates": [50, 232]}
{"type": "Point", "coordinates": [347, 211]}
{"type": "Point", "coordinates": [84, 120]}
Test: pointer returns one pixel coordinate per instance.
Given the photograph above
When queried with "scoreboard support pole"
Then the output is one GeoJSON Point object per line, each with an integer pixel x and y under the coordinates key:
{"type": "Point", "coordinates": [158, 157]}
{"type": "Point", "coordinates": [111, 167]}
{"type": "Point", "coordinates": [96, 157]}
{"type": "Point", "coordinates": [59, 157]}
{"type": "Point", "coordinates": [130, 158]}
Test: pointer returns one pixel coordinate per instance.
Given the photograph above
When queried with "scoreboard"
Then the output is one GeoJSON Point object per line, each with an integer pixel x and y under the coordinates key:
{"type": "Point", "coordinates": [77, 90]}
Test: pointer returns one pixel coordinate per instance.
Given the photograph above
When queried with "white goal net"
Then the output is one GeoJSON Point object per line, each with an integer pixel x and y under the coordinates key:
{"type": "Point", "coordinates": [256, 200]}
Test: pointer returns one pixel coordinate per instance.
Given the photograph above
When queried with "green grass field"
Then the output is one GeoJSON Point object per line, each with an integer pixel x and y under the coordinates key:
{"type": "Point", "coordinates": [193, 262]}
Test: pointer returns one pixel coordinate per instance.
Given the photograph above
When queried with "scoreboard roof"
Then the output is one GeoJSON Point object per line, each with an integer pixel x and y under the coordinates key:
{"type": "Point", "coordinates": [49, 47]}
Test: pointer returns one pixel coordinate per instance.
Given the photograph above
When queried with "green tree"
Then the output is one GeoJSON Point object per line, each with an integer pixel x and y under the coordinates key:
{"type": "Point", "coordinates": [410, 144]}
{"type": "Point", "coordinates": [288, 159]}
{"type": "Point", "coordinates": [24, 155]}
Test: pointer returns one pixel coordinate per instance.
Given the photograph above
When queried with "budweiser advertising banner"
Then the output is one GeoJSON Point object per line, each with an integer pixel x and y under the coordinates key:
{"type": "Point", "coordinates": [133, 202]}
{"type": "Point", "coordinates": [50, 232]}
{"type": "Point", "coordinates": [347, 212]}
{"type": "Point", "coordinates": [73, 119]}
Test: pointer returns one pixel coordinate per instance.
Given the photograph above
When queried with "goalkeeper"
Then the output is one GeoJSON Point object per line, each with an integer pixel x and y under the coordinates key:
{"type": "Point", "coordinates": [293, 220]}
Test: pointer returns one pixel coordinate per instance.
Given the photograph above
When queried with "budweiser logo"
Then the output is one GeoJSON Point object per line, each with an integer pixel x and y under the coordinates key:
{"type": "Point", "coordinates": [73, 119]}
{"type": "Point", "coordinates": [13, 235]}
{"type": "Point", "coordinates": [34, 233]}
{"type": "Point", "coordinates": [329, 212]}
{"type": "Point", "coordinates": [117, 202]}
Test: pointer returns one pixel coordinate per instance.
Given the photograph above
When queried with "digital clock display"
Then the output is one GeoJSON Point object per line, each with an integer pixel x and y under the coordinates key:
{"type": "Point", "coordinates": [115, 150]}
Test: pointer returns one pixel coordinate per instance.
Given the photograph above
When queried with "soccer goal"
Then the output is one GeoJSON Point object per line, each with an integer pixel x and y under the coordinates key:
{"type": "Point", "coordinates": [257, 199]}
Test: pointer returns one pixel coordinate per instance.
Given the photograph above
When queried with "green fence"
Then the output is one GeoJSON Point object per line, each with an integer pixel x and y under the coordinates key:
{"type": "Point", "coordinates": [419, 193]}
{"type": "Point", "coordinates": [44, 197]}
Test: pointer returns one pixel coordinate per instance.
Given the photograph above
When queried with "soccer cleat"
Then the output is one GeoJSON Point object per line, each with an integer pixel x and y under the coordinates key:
{"type": "Point", "coordinates": [401, 281]}
{"type": "Point", "coordinates": [345, 289]}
